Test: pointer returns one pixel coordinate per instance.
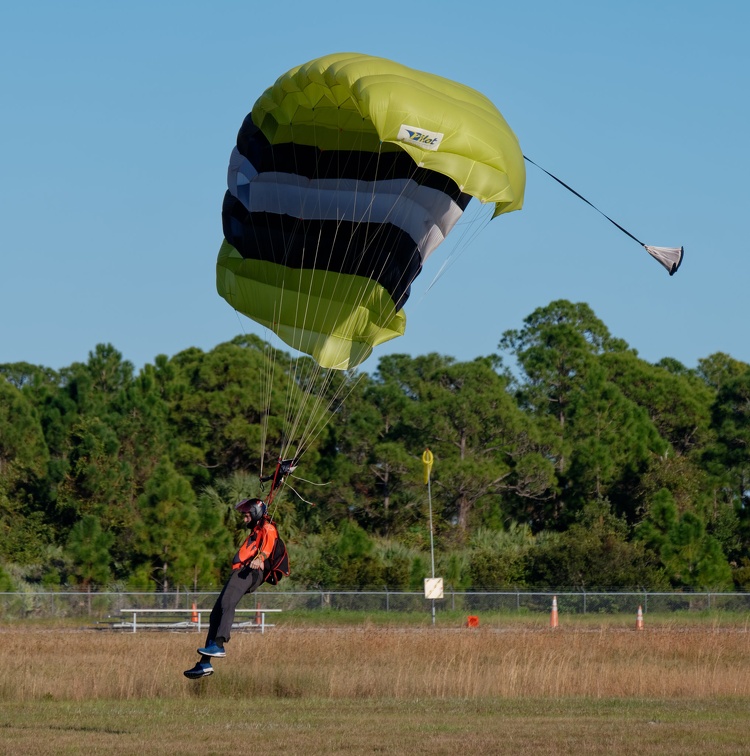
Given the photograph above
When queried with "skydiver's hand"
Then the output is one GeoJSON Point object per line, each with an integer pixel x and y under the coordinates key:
{"type": "Point", "coordinates": [257, 563]}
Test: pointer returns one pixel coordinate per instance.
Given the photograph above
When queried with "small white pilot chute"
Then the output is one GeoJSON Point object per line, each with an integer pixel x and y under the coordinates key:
{"type": "Point", "coordinates": [669, 257]}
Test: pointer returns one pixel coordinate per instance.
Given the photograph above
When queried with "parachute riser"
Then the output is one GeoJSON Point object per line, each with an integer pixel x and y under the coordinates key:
{"type": "Point", "coordinates": [283, 468]}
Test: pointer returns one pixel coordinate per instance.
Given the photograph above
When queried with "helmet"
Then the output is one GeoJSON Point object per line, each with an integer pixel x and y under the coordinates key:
{"type": "Point", "coordinates": [256, 508]}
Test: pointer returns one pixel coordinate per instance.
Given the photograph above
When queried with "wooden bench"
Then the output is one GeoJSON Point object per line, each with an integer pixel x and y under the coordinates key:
{"type": "Point", "coordinates": [168, 615]}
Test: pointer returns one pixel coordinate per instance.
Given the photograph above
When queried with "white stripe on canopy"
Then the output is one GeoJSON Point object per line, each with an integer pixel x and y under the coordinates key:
{"type": "Point", "coordinates": [426, 214]}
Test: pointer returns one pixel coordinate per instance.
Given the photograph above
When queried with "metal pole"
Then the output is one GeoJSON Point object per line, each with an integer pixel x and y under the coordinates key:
{"type": "Point", "coordinates": [432, 542]}
{"type": "Point", "coordinates": [427, 460]}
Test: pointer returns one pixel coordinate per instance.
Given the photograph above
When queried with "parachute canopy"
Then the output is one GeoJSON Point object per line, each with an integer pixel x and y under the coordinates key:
{"type": "Point", "coordinates": [347, 174]}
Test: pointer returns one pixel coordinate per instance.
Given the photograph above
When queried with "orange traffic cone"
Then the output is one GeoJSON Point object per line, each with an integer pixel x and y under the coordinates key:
{"type": "Point", "coordinates": [639, 619]}
{"type": "Point", "coordinates": [194, 615]}
{"type": "Point", "coordinates": [553, 616]}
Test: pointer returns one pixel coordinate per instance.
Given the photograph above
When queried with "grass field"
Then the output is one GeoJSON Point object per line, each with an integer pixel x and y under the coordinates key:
{"type": "Point", "coordinates": [301, 689]}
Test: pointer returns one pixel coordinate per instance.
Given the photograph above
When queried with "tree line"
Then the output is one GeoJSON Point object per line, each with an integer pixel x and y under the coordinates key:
{"type": "Point", "coordinates": [562, 461]}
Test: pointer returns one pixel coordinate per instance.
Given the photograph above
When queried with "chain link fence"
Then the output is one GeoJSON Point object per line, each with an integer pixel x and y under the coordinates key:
{"type": "Point", "coordinates": [100, 606]}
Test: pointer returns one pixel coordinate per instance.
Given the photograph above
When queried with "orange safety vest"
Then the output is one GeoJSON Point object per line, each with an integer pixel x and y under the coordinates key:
{"type": "Point", "coordinates": [261, 540]}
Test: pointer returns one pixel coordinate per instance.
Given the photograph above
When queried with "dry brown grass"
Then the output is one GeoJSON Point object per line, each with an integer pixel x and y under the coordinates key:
{"type": "Point", "coordinates": [381, 663]}
{"type": "Point", "coordinates": [378, 690]}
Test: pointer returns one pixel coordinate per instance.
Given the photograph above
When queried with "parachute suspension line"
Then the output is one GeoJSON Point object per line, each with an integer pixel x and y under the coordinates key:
{"type": "Point", "coordinates": [303, 376]}
{"type": "Point", "coordinates": [362, 218]}
{"type": "Point", "coordinates": [360, 214]}
{"type": "Point", "coordinates": [305, 387]}
{"type": "Point", "coordinates": [264, 385]}
{"type": "Point", "coordinates": [321, 402]}
{"type": "Point", "coordinates": [304, 372]}
{"type": "Point", "coordinates": [301, 498]}
{"type": "Point", "coordinates": [458, 245]}
{"type": "Point", "coordinates": [323, 407]}
{"type": "Point", "coordinates": [270, 372]}
{"type": "Point", "coordinates": [266, 389]}
{"type": "Point", "coordinates": [269, 379]}
{"type": "Point", "coordinates": [316, 384]}
{"type": "Point", "coordinates": [387, 258]}
{"type": "Point", "coordinates": [422, 253]}
{"type": "Point", "coordinates": [357, 218]}
{"type": "Point", "coordinates": [287, 462]}
{"type": "Point", "coordinates": [669, 257]}
{"type": "Point", "coordinates": [474, 221]}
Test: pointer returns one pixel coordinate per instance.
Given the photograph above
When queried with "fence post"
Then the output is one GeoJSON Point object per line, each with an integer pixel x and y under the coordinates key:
{"type": "Point", "coordinates": [584, 602]}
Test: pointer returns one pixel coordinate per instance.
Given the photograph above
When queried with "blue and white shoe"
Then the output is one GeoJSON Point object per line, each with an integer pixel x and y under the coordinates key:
{"type": "Point", "coordinates": [201, 669]}
{"type": "Point", "coordinates": [213, 649]}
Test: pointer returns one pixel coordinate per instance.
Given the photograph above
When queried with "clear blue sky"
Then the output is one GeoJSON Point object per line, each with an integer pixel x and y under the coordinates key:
{"type": "Point", "coordinates": [117, 120]}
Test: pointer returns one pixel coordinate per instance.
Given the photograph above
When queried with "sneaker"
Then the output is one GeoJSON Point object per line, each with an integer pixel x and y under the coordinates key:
{"type": "Point", "coordinates": [201, 669]}
{"type": "Point", "coordinates": [213, 649]}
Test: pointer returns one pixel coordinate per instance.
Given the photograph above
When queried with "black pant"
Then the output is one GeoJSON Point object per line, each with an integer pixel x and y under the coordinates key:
{"type": "Point", "coordinates": [241, 581]}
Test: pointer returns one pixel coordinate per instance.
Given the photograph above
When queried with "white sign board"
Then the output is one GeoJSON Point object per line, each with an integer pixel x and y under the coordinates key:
{"type": "Point", "coordinates": [433, 588]}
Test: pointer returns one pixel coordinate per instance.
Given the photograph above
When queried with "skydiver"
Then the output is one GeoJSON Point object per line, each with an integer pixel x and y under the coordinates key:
{"type": "Point", "coordinates": [252, 565]}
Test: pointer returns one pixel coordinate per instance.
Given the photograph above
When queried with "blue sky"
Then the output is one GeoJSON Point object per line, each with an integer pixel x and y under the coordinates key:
{"type": "Point", "coordinates": [117, 121]}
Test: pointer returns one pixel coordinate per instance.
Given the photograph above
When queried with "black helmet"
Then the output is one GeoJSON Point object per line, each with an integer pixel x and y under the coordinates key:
{"type": "Point", "coordinates": [256, 508]}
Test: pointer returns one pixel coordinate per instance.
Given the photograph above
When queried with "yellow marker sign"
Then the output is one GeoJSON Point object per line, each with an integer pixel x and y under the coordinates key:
{"type": "Point", "coordinates": [427, 459]}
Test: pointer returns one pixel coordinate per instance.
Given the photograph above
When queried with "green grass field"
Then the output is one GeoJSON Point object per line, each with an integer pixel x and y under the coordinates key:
{"type": "Point", "coordinates": [369, 688]}
{"type": "Point", "coordinates": [220, 725]}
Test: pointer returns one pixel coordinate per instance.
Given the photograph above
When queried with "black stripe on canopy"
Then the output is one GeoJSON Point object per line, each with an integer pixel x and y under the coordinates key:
{"type": "Point", "coordinates": [378, 251]}
{"type": "Point", "coordinates": [314, 163]}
